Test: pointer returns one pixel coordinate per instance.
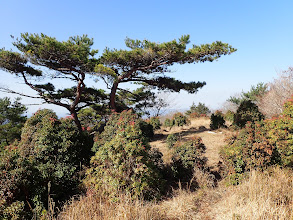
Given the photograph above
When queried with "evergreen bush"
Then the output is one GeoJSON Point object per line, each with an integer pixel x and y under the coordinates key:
{"type": "Point", "coordinates": [171, 140]}
{"type": "Point", "coordinates": [155, 122]}
{"type": "Point", "coordinates": [179, 120]}
{"type": "Point", "coordinates": [217, 120]}
{"type": "Point", "coordinates": [168, 123]}
{"type": "Point", "coordinates": [186, 157]}
{"type": "Point", "coordinates": [124, 161]}
{"type": "Point", "coordinates": [247, 111]}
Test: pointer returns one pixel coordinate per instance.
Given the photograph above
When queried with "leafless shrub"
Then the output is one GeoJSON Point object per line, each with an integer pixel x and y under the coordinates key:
{"type": "Point", "coordinates": [280, 90]}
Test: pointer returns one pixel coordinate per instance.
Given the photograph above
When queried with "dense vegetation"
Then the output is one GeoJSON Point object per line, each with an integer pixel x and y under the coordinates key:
{"type": "Point", "coordinates": [46, 163]}
{"type": "Point", "coordinates": [262, 144]}
{"type": "Point", "coordinates": [102, 149]}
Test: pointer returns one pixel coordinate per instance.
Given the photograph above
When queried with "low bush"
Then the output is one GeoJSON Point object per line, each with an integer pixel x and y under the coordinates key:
{"type": "Point", "coordinates": [147, 129]}
{"type": "Point", "coordinates": [171, 140]}
{"type": "Point", "coordinates": [124, 161]}
{"type": "Point", "coordinates": [186, 157]}
{"type": "Point", "coordinates": [168, 123]}
{"type": "Point", "coordinates": [179, 120]}
{"type": "Point", "coordinates": [229, 116]}
{"type": "Point", "coordinates": [217, 120]}
{"type": "Point", "coordinates": [155, 122]}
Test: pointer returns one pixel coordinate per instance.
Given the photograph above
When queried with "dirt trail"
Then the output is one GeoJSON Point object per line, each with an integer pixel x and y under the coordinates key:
{"type": "Point", "coordinates": [199, 127]}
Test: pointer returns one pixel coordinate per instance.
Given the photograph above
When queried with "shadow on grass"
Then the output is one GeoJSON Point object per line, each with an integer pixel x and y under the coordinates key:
{"type": "Point", "coordinates": [181, 134]}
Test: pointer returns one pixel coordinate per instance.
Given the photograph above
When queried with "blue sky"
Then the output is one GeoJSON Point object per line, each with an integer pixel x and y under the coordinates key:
{"type": "Point", "coordinates": [260, 30]}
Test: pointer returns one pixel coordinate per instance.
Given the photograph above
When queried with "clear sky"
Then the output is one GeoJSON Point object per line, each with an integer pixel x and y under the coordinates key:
{"type": "Point", "coordinates": [260, 30]}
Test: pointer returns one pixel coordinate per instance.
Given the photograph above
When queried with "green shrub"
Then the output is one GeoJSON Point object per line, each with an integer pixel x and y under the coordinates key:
{"type": "Point", "coordinates": [179, 120]}
{"type": "Point", "coordinates": [155, 122]}
{"type": "Point", "coordinates": [124, 160]}
{"type": "Point", "coordinates": [262, 144]}
{"type": "Point", "coordinates": [168, 123]}
{"type": "Point", "coordinates": [279, 132]}
{"type": "Point", "coordinates": [186, 157]}
{"type": "Point", "coordinates": [50, 155]}
{"type": "Point", "coordinates": [217, 120]}
{"type": "Point", "coordinates": [229, 116]}
{"type": "Point", "coordinates": [147, 130]}
{"type": "Point", "coordinates": [249, 149]}
{"type": "Point", "coordinates": [171, 140]}
{"type": "Point", "coordinates": [247, 111]}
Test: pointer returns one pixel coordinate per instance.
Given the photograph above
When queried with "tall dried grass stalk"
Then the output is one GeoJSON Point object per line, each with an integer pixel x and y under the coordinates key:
{"type": "Point", "coordinates": [267, 195]}
{"type": "Point", "coordinates": [97, 208]}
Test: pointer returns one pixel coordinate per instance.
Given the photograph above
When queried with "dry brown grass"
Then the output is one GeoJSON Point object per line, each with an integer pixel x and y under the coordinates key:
{"type": "Point", "coordinates": [267, 195]}
{"type": "Point", "coordinates": [182, 206]}
{"type": "Point", "coordinates": [264, 195]}
{"type": "Point", "coordinates": [97, 208]}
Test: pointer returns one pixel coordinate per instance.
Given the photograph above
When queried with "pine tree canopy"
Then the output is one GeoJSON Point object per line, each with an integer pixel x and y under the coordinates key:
{"type": "Point", "coordinates": [43, 57]}
{"type": "Point", "coordinates": [146, 62]}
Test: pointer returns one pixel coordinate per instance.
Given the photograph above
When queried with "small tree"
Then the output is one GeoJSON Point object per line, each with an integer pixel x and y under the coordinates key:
{"type": "Point", "coordinates": [254, 94]}
{"type": "Point", "coordinates": [217, 120]}
{"type": "Point", "coordinates": [247, 111]}
{"type": "Point", "coordinates": [11, 120]}
{"type": "Point", "coordinates": [200, 109]}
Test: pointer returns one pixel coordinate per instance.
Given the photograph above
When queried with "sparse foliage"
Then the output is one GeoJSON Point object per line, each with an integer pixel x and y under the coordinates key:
{"type": "Point", "coordinates": [280, 90]}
